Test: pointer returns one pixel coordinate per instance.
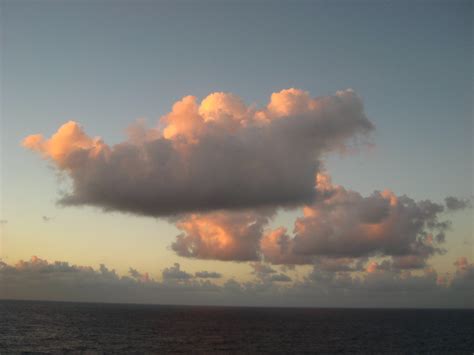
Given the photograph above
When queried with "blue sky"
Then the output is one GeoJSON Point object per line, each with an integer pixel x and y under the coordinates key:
{"type": "Point", "coordinates": [107, 63]}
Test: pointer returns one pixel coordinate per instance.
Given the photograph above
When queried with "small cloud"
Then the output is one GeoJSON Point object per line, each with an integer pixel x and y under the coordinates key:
{"type": "Point", "coordinates": [208, 275]}
{"type": "Point", "coordinates": [3, 221]}
{"type": "Point", "coordinates": [266, 273]}
{"type": "Point", "coordinates": [456, 204]}
{"type": "Point", "coordinates": [260, 269]}
{"type": "Point", "coordinates": [175, 273]}
{"type": "Point", "coordinates": [138, 275]}
{"type": "Point", "coordinates": [280, 278]}
{"type": "Point", "coordinates": [46, 218]}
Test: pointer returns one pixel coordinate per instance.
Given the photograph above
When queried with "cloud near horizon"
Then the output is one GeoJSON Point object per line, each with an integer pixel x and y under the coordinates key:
{"type": "Point", "coordinates": [375, 287]}
{"type": "Point", "coordinates": [207, 156]}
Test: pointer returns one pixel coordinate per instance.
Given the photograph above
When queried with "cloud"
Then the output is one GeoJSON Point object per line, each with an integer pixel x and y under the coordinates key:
{"type": "Point", "coordinates": [454, 203]}
{"type": "Point", "coordinates": [3, 221]}
{"type": "Point", "coordinates": [43, 280]}
{"type": "Point", "coordinates": [175, 273]}
{"type": "Point", "coordinates": [276, 247]}
{"type": "Point", "coordinates": [212, 155]}
{"type": "Point", "coordinates": [345, 224]}
{"type": "Point", "coordinates": [138, 275]}
{"type": "Point", "coordinates": [339, 264]}
{"type": "Point", "coordinates": [266, 273]}
{"type": "Point", "coordinates": [220, 170]}
{"type": "Point", "coordinates": [338, 232]}
{"type": "Point", "coordinates": [462, 265]}
{"type": "Point", "coordinates": [280, 278]}
{"type": "Point", "coordinates": [380, 282]}
{"type": "Point", "coordinates": [208, 275]}
{"type": "Point", "coordinates": [262, 269]}
{"type": "Point", "coordinates": [221, 235]}
{"type": "Point", "coordinates": [409, 261]}
{"type": "Point", "coordinates": [464, 276]}
{"type": "Point", "coordinates": [40, 279]}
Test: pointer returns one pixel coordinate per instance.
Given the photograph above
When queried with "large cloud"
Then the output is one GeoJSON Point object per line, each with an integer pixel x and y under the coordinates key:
{"type": "Point", "coordinates": [338, 231]}
{"type": "Point", "coordinates": [345, 224]}
{"type": "Point", "coordinates": [217, 154]}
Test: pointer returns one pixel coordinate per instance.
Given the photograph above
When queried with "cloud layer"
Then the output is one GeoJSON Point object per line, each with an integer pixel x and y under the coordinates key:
{"type": "Point", "coordinates": [43, 280]}
{"type": "Point", "coordinates": [216, 154]}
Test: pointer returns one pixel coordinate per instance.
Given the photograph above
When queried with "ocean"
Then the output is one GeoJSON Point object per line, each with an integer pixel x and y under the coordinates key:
{"type": "Point", "coordinates": [57, 327]}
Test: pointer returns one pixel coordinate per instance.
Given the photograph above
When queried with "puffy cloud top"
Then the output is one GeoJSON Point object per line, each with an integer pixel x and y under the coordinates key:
{"type": "Point", "coordinates": [216, 154]}
{"type": "Point", "coordinates": [221, 235]}
{"type": "Point", "coordinates": [345, 224]}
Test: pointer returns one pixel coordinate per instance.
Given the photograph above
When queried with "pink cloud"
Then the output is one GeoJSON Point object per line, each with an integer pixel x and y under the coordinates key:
{"type": "Point", "coordinates": [209, 155]}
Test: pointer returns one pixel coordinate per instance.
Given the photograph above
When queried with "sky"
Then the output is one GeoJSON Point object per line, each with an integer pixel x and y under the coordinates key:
{"type": "Point", "coordinates": [318, 150]}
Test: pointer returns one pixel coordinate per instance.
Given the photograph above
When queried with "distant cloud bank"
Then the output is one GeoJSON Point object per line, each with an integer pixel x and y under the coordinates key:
{"type": "Point", "coordinates": [373, 287]}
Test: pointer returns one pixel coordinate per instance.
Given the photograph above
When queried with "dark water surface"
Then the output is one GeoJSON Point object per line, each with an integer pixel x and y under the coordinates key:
{"type": "Point", "coordinates": [62, 327]}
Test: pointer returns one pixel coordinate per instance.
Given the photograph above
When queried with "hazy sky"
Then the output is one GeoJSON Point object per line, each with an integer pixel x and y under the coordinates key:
{"type": "Point", "coordinates": [367, 95]}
